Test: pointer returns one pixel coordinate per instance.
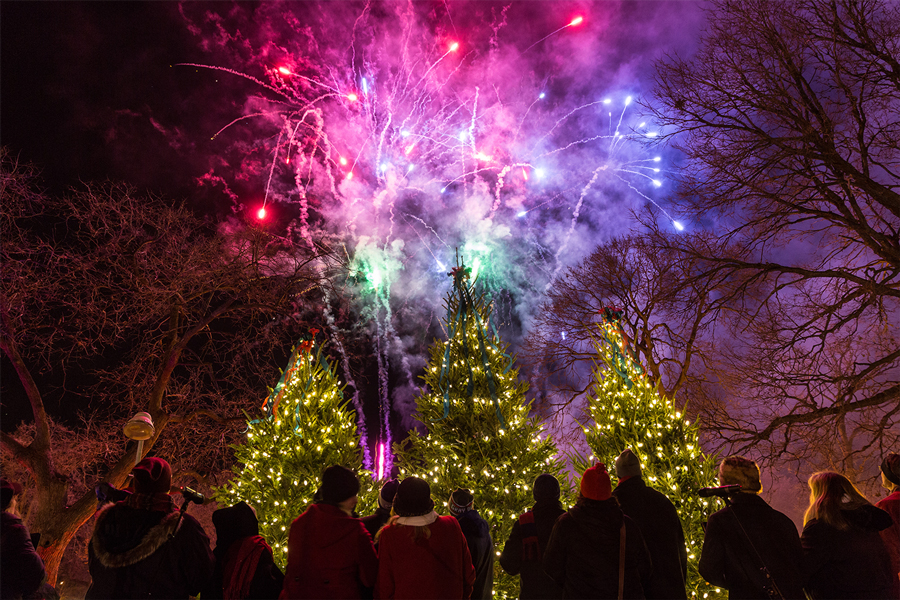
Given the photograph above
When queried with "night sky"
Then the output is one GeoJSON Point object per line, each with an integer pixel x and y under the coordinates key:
{"type": "Point", "coordinates": [523, 153]}
{"type": "Point", "coordinates": [89, 91]}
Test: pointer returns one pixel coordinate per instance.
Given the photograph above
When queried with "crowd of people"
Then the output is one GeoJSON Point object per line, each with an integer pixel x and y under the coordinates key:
{"type": "Point", "coordinates": [622, 542]}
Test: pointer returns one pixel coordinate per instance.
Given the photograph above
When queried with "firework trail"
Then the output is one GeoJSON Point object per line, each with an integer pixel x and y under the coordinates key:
{"type": "Point", "coordinates": [407, 132]}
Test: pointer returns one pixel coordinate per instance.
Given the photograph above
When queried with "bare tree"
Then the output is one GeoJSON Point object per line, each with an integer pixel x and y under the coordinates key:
{"type": "Point", "coordinates": [123, 303]}
{"type": "Point", "coordinates": [789, 116]}
{"type": "Point", "coordinates": [669, 313]}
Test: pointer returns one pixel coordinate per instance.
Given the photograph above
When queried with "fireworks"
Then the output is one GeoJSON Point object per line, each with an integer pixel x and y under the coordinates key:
{"type": "Point", "coordinates": [404, 141]}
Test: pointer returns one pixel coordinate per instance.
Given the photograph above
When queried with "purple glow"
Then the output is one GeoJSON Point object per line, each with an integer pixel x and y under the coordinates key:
{"type": "Point", "coordinates": [379, 469]}
{"type": "Point", "coordinates": [476, 134]}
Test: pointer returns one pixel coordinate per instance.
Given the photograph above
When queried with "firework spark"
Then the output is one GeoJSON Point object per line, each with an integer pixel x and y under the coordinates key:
{"type": "Point", "coordinates": [401, 142]}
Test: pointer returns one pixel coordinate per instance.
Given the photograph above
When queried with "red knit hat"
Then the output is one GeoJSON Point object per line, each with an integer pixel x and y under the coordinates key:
{"type": "Point", "coordinates": [152, 476]}
{"type": "Point", "coordinates": [595, 483]}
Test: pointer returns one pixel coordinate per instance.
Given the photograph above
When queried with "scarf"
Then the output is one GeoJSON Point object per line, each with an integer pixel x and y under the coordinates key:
{"type": "Point", "coordinates": [240, 566]}
{"type": "Point", "coordinates": [531, 549]}
{"type": "Point", "coordinates": [418, 521]}
{"type": "Point", "coordinates": [159, 501]}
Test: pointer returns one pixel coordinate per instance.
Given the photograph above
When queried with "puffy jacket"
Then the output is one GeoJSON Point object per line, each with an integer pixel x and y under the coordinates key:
{"type": "Point", "coordinates": [138, 553]}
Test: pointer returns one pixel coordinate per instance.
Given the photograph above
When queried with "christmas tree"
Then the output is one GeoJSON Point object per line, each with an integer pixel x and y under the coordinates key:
{"type": "Point", "coordinates": [306, 426]}
{"type": "Point", "coordinates": [479, 433]}
{"type": "Point", "coordinates": [626, 411]}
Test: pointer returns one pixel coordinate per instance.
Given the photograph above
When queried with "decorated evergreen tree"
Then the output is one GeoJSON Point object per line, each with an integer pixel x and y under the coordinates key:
{"type": "Point", "coordinates": [479, 432]}
{"type": "Point", "coordinates": [626, 411]}
{"type": "Point", "coordinates": [306, 426]}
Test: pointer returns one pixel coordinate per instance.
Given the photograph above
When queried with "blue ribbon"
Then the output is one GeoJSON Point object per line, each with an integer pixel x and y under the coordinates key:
{"type": "Point", "coordinates": [612, 316]}
{"type": "Point", "coordinates": [461, 320]}
{"type": "Point", "coordinates": [270, 405]}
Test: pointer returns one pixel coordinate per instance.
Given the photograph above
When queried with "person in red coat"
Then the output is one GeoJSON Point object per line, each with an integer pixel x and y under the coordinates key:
{"type": "Point", "coordinates": [330, 553]}
{"type": "Point", "coordinates": [890, 479]}
{"type": "Point", "coordinates": [422, 555]}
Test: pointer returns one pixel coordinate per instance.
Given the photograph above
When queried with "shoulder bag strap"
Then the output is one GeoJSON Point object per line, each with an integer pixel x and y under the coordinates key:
{"type": "Point", "coordinates": [766, 582]}
{"type": "Point", "coordinates": [622, 561]}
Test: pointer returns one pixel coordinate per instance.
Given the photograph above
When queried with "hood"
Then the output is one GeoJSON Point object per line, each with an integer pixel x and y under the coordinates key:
{"type": "Point", "coordinates": [124, 536]}
{"type": "Point", "coordinates": [232, 524]}
{"type": "Point", "coordinates": [868, 517]}
{"type": "Point", "coordinates": [597, 513]}
{"type": "Point", "coordinates": [330, 525]}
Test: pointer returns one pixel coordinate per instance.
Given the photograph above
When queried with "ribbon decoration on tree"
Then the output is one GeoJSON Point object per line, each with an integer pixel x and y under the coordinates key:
{"type": "Point", "coordinates": [612, 317]}
{"type": "Point", "coordinates": [460, 275]}
{"type": "Point", "coordinates": [301, 350]}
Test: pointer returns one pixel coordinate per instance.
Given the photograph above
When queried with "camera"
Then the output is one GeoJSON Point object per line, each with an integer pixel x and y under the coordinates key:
{"type": "Point", "coordinates": [722, 491]}
{"type": "Point", "coordinates": [192, 495]}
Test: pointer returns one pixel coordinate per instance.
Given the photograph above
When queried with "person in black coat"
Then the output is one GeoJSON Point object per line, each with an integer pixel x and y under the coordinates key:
{"type": "Point", "coordinates": [583, 553]}
{"type": "Point", "coordinates": [478, 538]}
{"type": "Point", "coordinates": [380, 517]}
{"type": "Point", "coordinates": [747, 535]}
{"type": "Point", "coordinates": [524, 550]}
{"type": "Point", "coordinates": [245, 567]}
{"type": "Point", "coordinates": [658, 519]}
{"type": "Point", "coordinates": [843, 553]}
{"type": "Point", "coordinates": [23, 569]}
{"type": "Point", "coordinates": [142, 548]}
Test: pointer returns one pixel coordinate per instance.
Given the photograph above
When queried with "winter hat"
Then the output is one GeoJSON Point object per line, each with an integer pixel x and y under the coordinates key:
{"type": "Point", "coordinates": [737, 470]}
{"type": "Point", "coordinates": [595, 483]}
{"type": "Point", "coordinates": [338, 484]}
{"type": "Point", "coordinates": [387, 493]}
{"type": "Point", "coordinates": [8, 489]}
{"type": "Point", "coordinates": [152, 476]}
{"type": "Point", "coordinates": [461, 501]}
{"type": "Point", "coordinates": [546, 488]}
{"type": "Point", "coordinates": [890, 466]}
{"type": "Point", "coordinates": [628, 464]}
{"type": "Point", "coordinates": [413, 498]}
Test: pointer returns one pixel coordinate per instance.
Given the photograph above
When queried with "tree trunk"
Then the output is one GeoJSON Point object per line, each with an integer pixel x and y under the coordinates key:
{"type": "Point", "coordinates": [58, 523]}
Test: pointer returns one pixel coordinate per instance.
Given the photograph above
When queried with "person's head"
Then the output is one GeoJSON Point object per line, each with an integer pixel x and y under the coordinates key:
{"type": "Point", "coordinates": [890, 472]}
{"type": "Point", "coordinates": [233, 523]}
{"type": "Point", "coordinates": [152, 476]}
{"type": "Point", "coordinates": [387, 493]}
{"type": "Point", "coordinates": [546, 489]}
{"type": "Point", "coordinates": [9, 492]}
{"type": "Point", "coordinates": [628, 465]}
{"type": "Point", "coordinates": [339, 488]}
{"type": "Point", "coordinates": [595, 483]}
{"type": "Point", "coordinates": [413, 498]}
{"type": "Point", "coordinates": [829, 493]}
{"type": "Point", "coordinates": [737, 470]}
{"type": "Point", "coordinates": [461, 502]}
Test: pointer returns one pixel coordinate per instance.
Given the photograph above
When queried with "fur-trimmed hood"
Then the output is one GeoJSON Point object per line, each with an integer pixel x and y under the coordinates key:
{"type": "Point", "coordinates": [124, 536]}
